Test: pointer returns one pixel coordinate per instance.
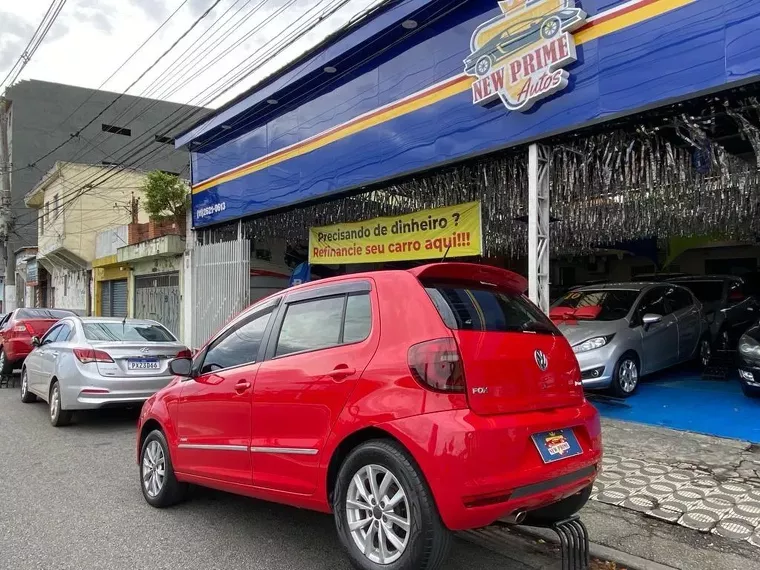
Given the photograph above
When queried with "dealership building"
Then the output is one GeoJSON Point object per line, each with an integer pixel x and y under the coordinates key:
{"type": "Point", "coordinates": [596, 140]}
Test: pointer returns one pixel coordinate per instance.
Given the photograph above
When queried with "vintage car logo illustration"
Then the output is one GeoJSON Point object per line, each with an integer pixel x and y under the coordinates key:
{"type": "Point", "coordinates": [556, 444]}
{"type": "Point", "coordinates": [520, 55]}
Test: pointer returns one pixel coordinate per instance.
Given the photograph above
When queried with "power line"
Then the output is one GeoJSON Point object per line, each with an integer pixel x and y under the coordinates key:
{"type": "Point", "coordinates": [34, 43]}
{"type": "Point", "coordinates": [218, 92]}
{"type": "Point", "coordinates": [143, 74]}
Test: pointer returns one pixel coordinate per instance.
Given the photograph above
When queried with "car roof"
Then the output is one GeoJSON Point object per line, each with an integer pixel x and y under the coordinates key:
{"type": "Point", "coordinates": [619, 286]}
{"type": "Point", "coordinates": [706, 278]}
{"type": "Point", "coordinates": [117, 320]}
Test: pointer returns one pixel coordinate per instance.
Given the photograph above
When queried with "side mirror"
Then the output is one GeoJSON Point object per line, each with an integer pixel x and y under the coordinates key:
{"type": "Point", "coordinates": [181, 367]}
{"type": "Point", "coordinates": [36, 341]}
{"type": "Point", "coordinates": [650, 319]}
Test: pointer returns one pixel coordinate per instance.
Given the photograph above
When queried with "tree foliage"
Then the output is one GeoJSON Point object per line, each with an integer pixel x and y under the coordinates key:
{"type": "Point", "coordinates": [166, 196]}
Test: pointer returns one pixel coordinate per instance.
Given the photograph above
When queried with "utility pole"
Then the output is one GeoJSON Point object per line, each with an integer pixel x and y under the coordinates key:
{"type": "Point", "coordinates": [9, 296]}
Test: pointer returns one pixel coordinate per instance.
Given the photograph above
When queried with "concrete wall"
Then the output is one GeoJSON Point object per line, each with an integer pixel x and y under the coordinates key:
{"type": "Point", "coordinates": [70, 290]}
{"type": "Point", "coordinates": [45, 114]}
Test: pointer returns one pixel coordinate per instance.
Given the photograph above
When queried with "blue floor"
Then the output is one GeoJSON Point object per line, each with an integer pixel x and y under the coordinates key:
{"type": "Point", "coordinates": [682, 400]}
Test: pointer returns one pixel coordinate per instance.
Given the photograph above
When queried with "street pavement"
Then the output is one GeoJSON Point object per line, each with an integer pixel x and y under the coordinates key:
{"type": "Point", "coordinates": [71, 501]}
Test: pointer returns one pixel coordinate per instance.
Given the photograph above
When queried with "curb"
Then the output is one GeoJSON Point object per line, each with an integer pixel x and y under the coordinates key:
{"type": "Point", "coordinates": [629, 561]}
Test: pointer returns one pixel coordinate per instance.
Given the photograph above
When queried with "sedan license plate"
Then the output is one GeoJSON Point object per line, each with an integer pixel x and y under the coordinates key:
{"type": "Point", "coordinates": [557, 444]}
{"type": "Point", "coordinates": [143, 364]}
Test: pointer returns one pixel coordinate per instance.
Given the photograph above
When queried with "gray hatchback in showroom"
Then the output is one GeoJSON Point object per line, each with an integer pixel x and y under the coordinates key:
{"type": "Point", "coordinates": [84, 363]}
{"type": "Point", "coordinates": [623, 331]}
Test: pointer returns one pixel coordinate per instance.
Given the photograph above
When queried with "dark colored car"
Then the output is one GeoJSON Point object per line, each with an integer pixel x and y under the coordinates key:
{"type": "Point", "coordinates": [408, 403]}
{"type": "Point", "coordinates": [657, 277]}
{"type": "Point", "coordinates": [16, 332]}
{"type": "Point", "coordinates": [729, 305]}
{"type": "Point", "coordinates": [519, 35]}
{"type": "Point", "coordinates": [749, 361]}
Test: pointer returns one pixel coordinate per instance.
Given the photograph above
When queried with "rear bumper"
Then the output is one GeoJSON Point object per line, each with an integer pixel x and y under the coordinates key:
{"type": "Point", "coordinates": [483, 468]}
{"type": "Point", "coordinates": [90, 390]}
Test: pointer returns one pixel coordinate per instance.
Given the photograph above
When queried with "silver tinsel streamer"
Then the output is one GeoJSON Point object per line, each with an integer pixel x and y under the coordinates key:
{"type": "Point", "coordinates": [605, 189]}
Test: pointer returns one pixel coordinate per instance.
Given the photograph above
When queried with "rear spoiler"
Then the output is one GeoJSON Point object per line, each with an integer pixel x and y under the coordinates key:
{"type": "Point", "coordinates": [472, 272]}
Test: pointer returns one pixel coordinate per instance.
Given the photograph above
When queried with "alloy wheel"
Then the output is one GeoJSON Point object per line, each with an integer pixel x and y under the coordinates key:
{"type": "Point", "coordinates": [378, 514]}
{"type": "Point", "coordinates": [705, 352]}
{"type": "Point", "coordinates": [550, 28]}
{"type": "Point", "coordinates": [55, 402]}
{"type": "Point", "coordinates": [628, 374]}
{"type": "Point", "coordinates": [483, 66]}
{"type": "Point", "coordinates": [2, 360]}
{"type": "Point", "coordinates": [24, 384]}
{"type": "Point", "coordinates": [153, 468]}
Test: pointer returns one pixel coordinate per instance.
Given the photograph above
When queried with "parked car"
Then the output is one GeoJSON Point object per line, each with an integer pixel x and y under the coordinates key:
{"type": "Point", "coordinates": [518, 36]}
{"type": "Point", "coordinates": [84, 363]}
{"type": "Point", "coordinates": [749, 361]}
{"type": "Point", "coordinates": [729, 307]}
{"type": "Point", "coordinates": [16, 331]}
{"type": "Point", "coordinates": [623, 331]}
{"type": "Point", "coordinates": [410, 403]}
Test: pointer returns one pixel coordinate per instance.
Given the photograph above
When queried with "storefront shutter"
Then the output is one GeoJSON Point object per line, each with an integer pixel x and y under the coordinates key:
{"type": "Point", "coordinates": [105, 299]}
{"type": "Point", "coordinates": [119, 298]}
{"type": "Point", "coordinates": [113, 298]}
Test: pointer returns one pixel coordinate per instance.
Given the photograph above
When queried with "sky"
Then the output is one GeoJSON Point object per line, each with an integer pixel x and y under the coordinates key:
{"type": "Point", "coordinates": [227, 52]}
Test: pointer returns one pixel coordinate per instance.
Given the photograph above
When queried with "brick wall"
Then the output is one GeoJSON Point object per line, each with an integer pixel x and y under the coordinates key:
{"type": "Point", "coordinates": [155, 229]}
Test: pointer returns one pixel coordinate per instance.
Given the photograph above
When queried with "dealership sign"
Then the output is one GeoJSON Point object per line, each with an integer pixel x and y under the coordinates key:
{"type": "Point", "coordinates": [520, 56]}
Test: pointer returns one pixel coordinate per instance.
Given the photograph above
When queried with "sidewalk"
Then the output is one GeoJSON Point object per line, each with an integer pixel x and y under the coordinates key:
{"type": "Point", "coordinates": [677, 498]}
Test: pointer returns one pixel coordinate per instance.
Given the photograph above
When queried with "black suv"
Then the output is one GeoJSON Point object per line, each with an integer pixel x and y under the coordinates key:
{"type": "Point", "coordinates": [729, 304]}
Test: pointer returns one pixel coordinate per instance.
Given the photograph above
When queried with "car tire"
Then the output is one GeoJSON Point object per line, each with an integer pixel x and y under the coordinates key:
{"type": "Point", "coordinates": [486, 67]}
{"type": "Point", "coordinates": [6, 366]}
{"type": "Point", "coordinates": [561, 510]}
{"type": "Point", "coordinates": [159, 491]}
{"type": "Point", "coordinates": [423, 545]}
{"type": "Point", "coordinates": [623, 385]}
{"type": "Point", "coordinates": [550, 28]}
{"type": "Point", "coordinates": [26, 396]}
{"type": "Point", "coordinates": [58, 416]}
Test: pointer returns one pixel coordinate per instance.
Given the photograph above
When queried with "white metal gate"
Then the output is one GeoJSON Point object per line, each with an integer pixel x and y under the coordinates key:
{"type": "Point", "coordinates": [221, 285]}
{"type": "Point", "coordinates": [157, 298]}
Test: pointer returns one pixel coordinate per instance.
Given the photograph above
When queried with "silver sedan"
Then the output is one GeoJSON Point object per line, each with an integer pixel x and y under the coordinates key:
{"type": "Point", "coordinates": [622, 331]}
{"type": "Point", "coordinates": [84, 363]}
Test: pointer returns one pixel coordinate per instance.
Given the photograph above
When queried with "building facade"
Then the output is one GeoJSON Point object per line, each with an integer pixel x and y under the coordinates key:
{"type": "Point", "coordinates": [49, 122]}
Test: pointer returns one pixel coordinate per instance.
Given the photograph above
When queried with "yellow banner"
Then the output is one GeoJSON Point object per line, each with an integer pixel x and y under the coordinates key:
{"type": "Point", "coordinates": [428, 234]}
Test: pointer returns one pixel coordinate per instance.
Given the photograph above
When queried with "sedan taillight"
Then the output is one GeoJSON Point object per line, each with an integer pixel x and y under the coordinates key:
{"type": "Point", "coordinates": [22, 327]}
{"type": "Point", "coordinates": [87, 355]}
{"type": "Point", "coordinates": [184, 353]}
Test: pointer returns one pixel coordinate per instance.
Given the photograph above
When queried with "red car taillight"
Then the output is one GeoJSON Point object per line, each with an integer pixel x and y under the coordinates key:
{"type": "Point", "coordinates": [437, 364]}
{"type": "Point", "coordinates": [22, 327]}
{"type": "Point", "coordinates": [185, 353]}
{"type": "Point", "coordinates": [87, 355]}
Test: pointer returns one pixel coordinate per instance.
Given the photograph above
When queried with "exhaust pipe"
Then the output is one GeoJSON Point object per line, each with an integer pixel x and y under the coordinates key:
{"type": "Point", "coordinates": [515, 518]}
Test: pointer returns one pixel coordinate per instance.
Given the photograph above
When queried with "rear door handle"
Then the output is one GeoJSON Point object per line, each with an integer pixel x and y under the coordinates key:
{"type": "Point", "coordinates": [339, 373]}
{"type": "Point", "coordinates": [242, 386]}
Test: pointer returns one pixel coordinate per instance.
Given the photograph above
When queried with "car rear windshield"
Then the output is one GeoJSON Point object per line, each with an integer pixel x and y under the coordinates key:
{"type": "Point", "coordinates": [609, 304]}
{"type": "Point", "coordinates": [464, 307]}
{"type": "Point", "coordinates": [42, 314]}
{"type": "Point", "coordinates": [125, 332]}
{"type": "Point", "coordinates": [705, 291]}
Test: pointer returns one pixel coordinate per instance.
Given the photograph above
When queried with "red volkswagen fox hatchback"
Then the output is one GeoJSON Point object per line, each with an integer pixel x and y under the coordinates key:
{"type": "Point", "coordinates": [407, 403]}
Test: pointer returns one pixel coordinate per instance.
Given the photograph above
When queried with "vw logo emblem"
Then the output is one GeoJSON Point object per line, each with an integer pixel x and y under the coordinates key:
{"type": "Point", "coordinates": [541, 360]}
